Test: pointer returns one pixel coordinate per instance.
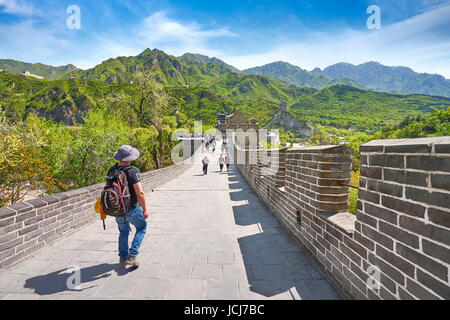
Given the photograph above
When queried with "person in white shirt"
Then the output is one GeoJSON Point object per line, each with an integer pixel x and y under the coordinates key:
{"type": "Point", "coordinates": [221, 162]}
{"type": "Point", "coordinates": [227, 161]}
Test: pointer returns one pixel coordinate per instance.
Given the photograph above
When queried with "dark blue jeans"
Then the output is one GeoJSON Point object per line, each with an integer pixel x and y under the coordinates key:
{"type": "Point", "coordinates": [136, 217]}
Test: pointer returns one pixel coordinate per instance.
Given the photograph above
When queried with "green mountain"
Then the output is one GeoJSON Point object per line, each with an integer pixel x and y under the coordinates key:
{"type": "Point", "coordinates": [379, 77]}
{"type": "Point", "coordinates": [192, 71]}
{"type": "Point", "coordinates": [195, 57]}
{"type": "Point", "coordinates": [46, 71]}
{"type": "Point", "coordinates": [169, 70]}
{"type": "Point", "coordinates": [297, 76]}
{"type": "Point", "coordinates": [259, 97]}
{"type": "Point", "coordinates": [345, 107]}
{"type": "Point", "coordinates": [68, 101]}
{"type": "Point", "coordinates": [435, 124]}
{"type": "Point", "coordinates": [65, 101]}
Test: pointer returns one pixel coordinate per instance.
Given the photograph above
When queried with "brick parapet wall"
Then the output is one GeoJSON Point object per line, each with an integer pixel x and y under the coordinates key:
{"type": "Point", "coordinates": [28, 226]}
{"type": "Point", "coordinates": [402, 222]}
{"type": "Point", "coordinates": [404, 213]}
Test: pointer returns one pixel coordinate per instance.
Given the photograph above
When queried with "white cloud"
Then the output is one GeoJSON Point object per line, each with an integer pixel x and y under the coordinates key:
{"type": "Point", "coordinates": [421, 42]}
{"type": "Point", "coordinates": [18, 7]}
{"type": "Point", "coordinates": [24, 41]}
{"type": "Point", "coordinates": [160, 31]}
{"type": "Point", "coordinates": [156, 31]}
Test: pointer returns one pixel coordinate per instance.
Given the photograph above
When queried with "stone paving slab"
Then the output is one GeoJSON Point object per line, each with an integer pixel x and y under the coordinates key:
{"type": "Point", "coordinates": [209, 237]}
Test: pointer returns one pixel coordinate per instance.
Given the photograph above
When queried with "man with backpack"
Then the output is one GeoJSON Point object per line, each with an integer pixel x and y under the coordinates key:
{"type": "Point", "coordinates": [124, 198]}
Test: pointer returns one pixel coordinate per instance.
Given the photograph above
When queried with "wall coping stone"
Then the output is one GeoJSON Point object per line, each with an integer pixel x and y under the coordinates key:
{"type": "Point", "coordinates": [416, 145]}
{"type": "Point", "coordinates": [344, 221]}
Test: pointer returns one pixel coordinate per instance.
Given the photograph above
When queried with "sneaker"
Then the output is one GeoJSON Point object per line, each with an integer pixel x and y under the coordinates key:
{"type": "Point", "coordinates": [131, 260]}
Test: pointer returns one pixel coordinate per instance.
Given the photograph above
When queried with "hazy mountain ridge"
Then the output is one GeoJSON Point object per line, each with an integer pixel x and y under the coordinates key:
{"type": "Point", "coordinates": [378, 77]}
{"type": "Point", "coordinates": [299, 77]}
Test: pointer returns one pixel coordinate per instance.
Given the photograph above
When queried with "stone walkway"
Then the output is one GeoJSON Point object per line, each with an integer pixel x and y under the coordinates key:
{"type": "Point", "coordinates": [209, 237]}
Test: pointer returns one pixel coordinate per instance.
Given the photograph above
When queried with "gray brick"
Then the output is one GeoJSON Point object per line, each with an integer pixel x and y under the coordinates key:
{"type": "Point", "coordinates": [434, 198]}
{"type": "Point", "coordinates": [398, 262]}
{"type": "Point", "coordinates": [350, 254]}
{"type": "Point", "coordinates": [391, 161]}
{"type": "Point", "coordinates": [423, 261]}
{"type": "Point", "coordinates": [356, 281]}
{"type": "Point", "coordinates": [404, 295]}
{"type": "Point", "coordinates": [427, 230]}
{"type": "Point", "coordinates": [381, 213]}
{"type": "Point", "coordinates": [428, 163]}
{"type": "Point", "coordinates": [372, 172]}
{"type": "Point", "coordinates": [439, 217]}
{"type": "Point", "coordinates": [440, 181]}
{"type": "Point", "coordinates": [5, 222]}
{"type": "Point", "coordinates": [8, 237]}
{"type": "Point", "coordinates": [21, 207]}
{"type": "Point", "coordinates": [419, 291]}
{"type": "Point", "coordinates": [369, 196]}
{"type": "Point", "coordinates": [408, 148]}
{"type": "Point", "coordinates": [388, 283]}
{"type": "Point", "coordinates": [406, 177]}
{"type": "Point", "coordinates": [360, 250]}
{"type": "Point", "coordinates": [366, 242]}
{"type": "Point", "coordinates": [10, 228]}
{"type": "Point", "coordinates": [438, 287]}
{"type": "Point", "coordinates": [388, 269]}
{"type": "Point", "coordinates": [386, 295]}
{"type": "Point", "coordinates": [378, 237]}
{"type": "Point", "coordinates": [442, 148]}
{"type": "Point", "coordinates": [10, 244]}
{"type": "Point", "coordinates": [384, 187]}
{"type": "Point", "coordinates": [366, 219]}
{"type": "Point", "coordinates": [412, 209]}
{"type": "Point", "coordinates": [6, 212]}
{"type": "Point", "coordinates": [26, 245]}
{"type": "Point", "coordinates": [434, 250]}
{"type": "Point", "coordinates": [25, 216]}
{"type": "Point", "coordinates": [28, 229]}
{"type": "Point", "coordinates": [37, 203]}
{"type": "Point", "coordinates": [33, 234]}
{"type": "Point", "coordinates": [399, 234]}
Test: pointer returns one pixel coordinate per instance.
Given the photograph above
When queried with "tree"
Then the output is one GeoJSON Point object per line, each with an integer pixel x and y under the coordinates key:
{"type": "Point", "coordinates": [90, 154]}
{"type": "Point", "coordinates": [147, 101]}
{"type": "Point", "coordinates": [23, 170]}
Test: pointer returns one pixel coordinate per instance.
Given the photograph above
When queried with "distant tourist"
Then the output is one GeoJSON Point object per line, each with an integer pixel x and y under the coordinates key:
{"type": "Point", "coordinates": [227, 161]}
{"type": "Point", "coordinates": [205, 163]}
{"type": "Point", "coordinates": [137, 204]}
{"type": "Point", "coordinates": [221, 162]}
{"type": "Point", "coordinates": [224, 145]}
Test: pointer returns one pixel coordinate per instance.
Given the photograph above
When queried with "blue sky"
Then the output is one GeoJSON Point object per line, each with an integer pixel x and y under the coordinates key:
{"type": "Point", "coordinates": [312, 33]}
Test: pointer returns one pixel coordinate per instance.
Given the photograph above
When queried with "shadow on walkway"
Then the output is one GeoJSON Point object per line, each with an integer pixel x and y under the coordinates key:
{"type": "Point", "coordinates": [275, 262]}
{"type": "Point", "coordinates": [57, 282]}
